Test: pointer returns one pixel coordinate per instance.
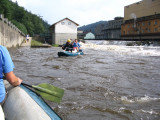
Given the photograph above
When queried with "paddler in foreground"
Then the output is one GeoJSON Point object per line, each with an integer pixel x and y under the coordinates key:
{"type": "Point", "coordinates": [6, 69]}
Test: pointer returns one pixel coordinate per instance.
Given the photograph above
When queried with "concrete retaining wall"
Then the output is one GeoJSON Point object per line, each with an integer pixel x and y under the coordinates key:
{"type": "Point", "coordinates": [10, 35]}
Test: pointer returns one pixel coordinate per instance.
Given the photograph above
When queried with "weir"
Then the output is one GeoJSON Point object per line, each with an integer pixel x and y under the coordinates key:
{"type": "Point", "coordinates": [10, 35]}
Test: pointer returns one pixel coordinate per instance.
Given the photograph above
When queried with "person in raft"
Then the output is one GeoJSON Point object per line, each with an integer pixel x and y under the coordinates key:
{"type": "Point", "coordinates": [76, 45]}
{"type": "Point", "coordinates": [68, 46]}
{"type": "Point", "coordinates": [6, 69]}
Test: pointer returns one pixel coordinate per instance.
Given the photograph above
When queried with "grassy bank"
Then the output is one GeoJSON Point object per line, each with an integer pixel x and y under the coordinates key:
{"type": "Point", "coordinates": [55, 45]}
{"type": "Point", "coordinates": [36, 43]}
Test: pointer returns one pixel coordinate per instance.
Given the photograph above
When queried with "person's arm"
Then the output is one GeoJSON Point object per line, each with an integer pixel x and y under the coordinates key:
{"type": "Point", "coordinates": [8, 68]}
{"type": "Point", "coordinates": [79, 45]}
{"type": "Point", "coordinates": [12, 79]}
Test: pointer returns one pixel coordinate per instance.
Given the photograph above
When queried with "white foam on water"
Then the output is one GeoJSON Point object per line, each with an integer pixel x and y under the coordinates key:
{"type": "Point", "coordinates": [122, 49]}
{"type": "Point", "coordinates": [143, 99]}
{"type": "Point", "coordinates": [125, 99]}
{"type": "Point", "coordinates": [152, 112]}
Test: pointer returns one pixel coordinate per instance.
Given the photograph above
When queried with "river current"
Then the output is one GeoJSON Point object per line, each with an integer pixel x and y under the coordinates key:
{"type": "Point", "coordinates": [111, 81]}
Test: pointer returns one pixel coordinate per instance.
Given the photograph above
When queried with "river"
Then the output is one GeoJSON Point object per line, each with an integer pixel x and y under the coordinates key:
{"type": "Point", "coordinates": [111, 81]}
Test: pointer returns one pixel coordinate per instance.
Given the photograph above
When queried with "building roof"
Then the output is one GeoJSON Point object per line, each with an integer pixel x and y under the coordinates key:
{"type": "Point", "coordinates": [62, 20]}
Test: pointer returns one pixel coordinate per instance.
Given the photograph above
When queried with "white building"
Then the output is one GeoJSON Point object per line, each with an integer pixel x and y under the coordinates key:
{"type": "Point", "coordinates": [63, 30]}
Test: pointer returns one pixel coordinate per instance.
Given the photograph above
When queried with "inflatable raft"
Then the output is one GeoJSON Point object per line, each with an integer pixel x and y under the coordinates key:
{"type": "Point", "coordinates": [68, 53]}
{"type": "Point", "coordinates": [23, 104]}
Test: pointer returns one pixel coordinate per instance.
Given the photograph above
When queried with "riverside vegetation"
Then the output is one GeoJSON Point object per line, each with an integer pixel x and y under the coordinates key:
{"type": "Point", "coordinates": [27, 22]}
{"type": "Point", "coordinates": [36, 43]}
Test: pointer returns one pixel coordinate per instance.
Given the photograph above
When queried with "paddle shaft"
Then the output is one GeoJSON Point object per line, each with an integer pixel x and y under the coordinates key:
{"type": "Point", "coordinates": [27, 85]}
{"type": "Point", "coordinates": [51, 92]}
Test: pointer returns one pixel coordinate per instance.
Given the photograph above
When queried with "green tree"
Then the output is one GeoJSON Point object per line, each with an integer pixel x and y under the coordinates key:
{"type": "Point", "coordinates": [20, 26]}
{"type": "Point", "coordinates": [27, 22]}
{"type": "Point", "coordinates": [4, 8]}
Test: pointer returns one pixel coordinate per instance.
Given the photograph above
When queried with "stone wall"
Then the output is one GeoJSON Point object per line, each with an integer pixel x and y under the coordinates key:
{"type": "Point", "coordinates": [10, 35]}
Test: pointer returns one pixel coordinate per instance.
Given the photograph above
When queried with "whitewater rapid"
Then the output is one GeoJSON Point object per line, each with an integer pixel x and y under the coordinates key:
{"type": "Point", "coordinates": [121, 48]}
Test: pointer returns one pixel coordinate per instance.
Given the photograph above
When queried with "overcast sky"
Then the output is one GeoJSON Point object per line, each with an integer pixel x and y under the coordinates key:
{"type": "Point", "coordinates": [82, 12]}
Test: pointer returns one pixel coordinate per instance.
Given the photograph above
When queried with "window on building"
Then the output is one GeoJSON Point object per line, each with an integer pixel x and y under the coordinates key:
{"type": "Point", "coordinates": [62, 23]}
{"type": "Point", "coordinates": [128, 26]}
{"type": "Point", "coordinates": [149, 30]}
{"type": "Point", "coordinates": [149, 23]}
{"type": "Point", "coordinates": [69, 23]}
{"type": "Point", "coordinates": [155, 29]}
{"type": "Point", "coordinates": [143, 24]}
{"type": "Point", "coordinates": [142, 30]}
{"type": "Point", "coordinates": [155, 22]}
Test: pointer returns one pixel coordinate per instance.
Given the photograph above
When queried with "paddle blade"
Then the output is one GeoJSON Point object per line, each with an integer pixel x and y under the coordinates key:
{"type": "Point", "coordinates": [49, 97]}
{"type": "Point", "coordinates": [49, 89]}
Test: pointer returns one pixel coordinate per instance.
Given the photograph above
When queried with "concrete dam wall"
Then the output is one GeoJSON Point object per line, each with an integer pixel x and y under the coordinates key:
{"type": "Point", "coordinates": [10, 35]}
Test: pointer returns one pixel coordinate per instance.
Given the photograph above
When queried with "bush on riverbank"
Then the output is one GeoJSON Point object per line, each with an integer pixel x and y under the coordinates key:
{"type": "Point", "coordinates": [36, 43]}
{"type": "Point", "coordinates": [55, 45]}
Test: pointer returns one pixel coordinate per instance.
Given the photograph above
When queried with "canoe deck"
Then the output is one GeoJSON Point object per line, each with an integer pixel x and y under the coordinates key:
{"type": "Point", "coordinates": [22, 103]}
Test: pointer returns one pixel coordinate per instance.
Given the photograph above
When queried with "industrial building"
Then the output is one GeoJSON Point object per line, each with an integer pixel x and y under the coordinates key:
{"type": "Point", "coordinates": [141, 21]}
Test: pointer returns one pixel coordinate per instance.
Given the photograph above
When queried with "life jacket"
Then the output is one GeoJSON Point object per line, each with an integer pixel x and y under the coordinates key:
{"type": "Point", "coordinates": [75, 44]}
{"type": "Point", "coordinates": [1, 69]}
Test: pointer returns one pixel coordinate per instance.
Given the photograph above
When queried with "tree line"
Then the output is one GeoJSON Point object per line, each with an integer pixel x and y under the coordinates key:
{"type": "Point", "coordinates": [27, 22]}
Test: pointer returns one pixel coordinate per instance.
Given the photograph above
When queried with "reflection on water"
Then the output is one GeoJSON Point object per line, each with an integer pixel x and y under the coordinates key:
{"type": "Point", "coordinates": [111, 81]}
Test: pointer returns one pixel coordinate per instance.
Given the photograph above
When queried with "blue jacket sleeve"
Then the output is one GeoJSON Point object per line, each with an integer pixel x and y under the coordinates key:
{"type": "Point", "coordinates": [7, 63]}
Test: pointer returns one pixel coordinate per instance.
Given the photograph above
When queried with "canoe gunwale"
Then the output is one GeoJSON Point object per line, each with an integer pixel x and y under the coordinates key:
{"type": "Point", "coordinates": [20, 103]}
{"type": "Point", "coordinates": [41, 102]}
{"type": "Point", "coordinates": [66, 53]}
